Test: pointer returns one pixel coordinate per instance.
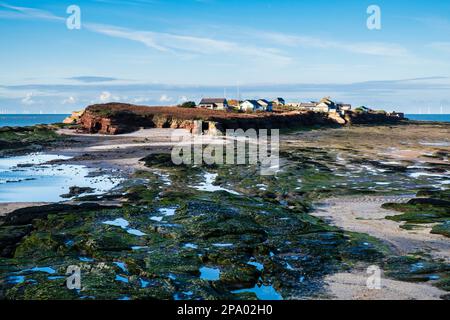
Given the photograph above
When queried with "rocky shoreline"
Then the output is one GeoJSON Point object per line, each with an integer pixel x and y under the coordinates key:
{"type": "Point", "coordinates": [224, 232]}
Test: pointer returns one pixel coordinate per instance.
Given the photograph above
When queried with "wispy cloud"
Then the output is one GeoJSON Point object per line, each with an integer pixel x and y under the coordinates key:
{"type": "Point", "coordinates": [28, 99]}
{"type": "Point", "coordinates": [14, 12]}
{"type": "Point", "coordinates": [92, 79]}
{"type": "Point", "coordinates": [175, 43]}
{"type": "Point", "coordinates": [368, 48]}
{"type": "Point", "coordinates": [424, 83]}
{"type": "Point", "coordinates": [163, 42]}
{"type": "Point", "coordinates": [197, 45]}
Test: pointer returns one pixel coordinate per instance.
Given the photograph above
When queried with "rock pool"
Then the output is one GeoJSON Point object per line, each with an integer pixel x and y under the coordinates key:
{"type": "Point", "coordinates": [31, 178]}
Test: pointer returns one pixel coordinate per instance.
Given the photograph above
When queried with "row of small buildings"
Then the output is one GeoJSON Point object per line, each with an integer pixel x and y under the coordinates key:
{"type": "Point", "coordinates": [324, 105]}
{"type": "Point", "coordinates": [246, 105]}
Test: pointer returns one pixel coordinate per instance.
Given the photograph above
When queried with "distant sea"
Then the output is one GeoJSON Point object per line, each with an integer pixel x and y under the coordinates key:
{"type": "Point", "coordinates": [23, 120]}
{"type": "Point", "coordinates": [429, 117]}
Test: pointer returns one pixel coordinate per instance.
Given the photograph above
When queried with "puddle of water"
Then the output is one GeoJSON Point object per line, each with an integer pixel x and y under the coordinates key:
{"type": "Point", "coordinates": [171, 276]}
{"type": "Point", "coordinates": [168, 212]}
{"type": "Point", "coordinates": [121, 279]}
{"type": "Point", "coordinates": [210, 274]}
{"type": "Point", "coordinates": [118, 223]}
{"type": "Point", "coordinates": [262, 187]}
{"type": "Point", "coordinates": [394, 163]}
{"type": "Point", "coordinates": [289, 267]}
{"type": "Point", "coordinates": [262, 292]}
{"type": "Point", "coordinates": [164, 178]}
{"type": "Point", "coordinates": [16, 279]}
{"type": "Point", "coordinates": [135, 248]}
{"type": "Point", "coordinates": [144, 283]}
{"type": "Point", "coordinates": [41, 269]}
{"type": "Point", "coordinates": [178, 296]}
{"type": "Point", "coordinates": [259, 266]}
{"type": "Point", "coordinates": [223, 245]}
{"type": "Point", "coordinates": [190, 246]}
{"type": "Point", "coordinates": [136, 232]}
{"type": "Point", "coordinates": [122, 266]}
{"type": "Point", "coordinates": [208, 185]}
{"type": "Point", "coordinates": [69, 243]}
{"type": "Point", "coordinates": [29, 179]}
{"type": "Point", "coordinates": [417, 175]}
{"type": "Point", "coordinates": [85, 259]}
{"type": "Point", "coordinates": [417, 266]}
{"type": "Point", "coordinates": [123, 224]}
{"type": "Point", "coordinates": [125, 298]}
{"type": "Point", "coordinates": [157, 219]}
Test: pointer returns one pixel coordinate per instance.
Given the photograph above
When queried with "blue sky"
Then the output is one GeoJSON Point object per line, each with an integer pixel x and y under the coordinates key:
{"type": "Point", "coordinates": [160, 52]}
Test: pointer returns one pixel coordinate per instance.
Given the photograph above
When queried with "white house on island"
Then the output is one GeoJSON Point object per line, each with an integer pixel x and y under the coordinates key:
{"type": "Point", "coordinates": [213, 104]}
{"type": "Point", "coordinates": [255, 105]}
{"type": "Point", "coordinates": [279, 102]}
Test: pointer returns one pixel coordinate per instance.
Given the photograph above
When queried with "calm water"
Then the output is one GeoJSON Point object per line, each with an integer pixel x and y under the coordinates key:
{"type": "Point", "coordinates": [29, 179]}
{"type": "Point", "coordinates": [429, 117]}
{"type": "Point", "coordinates": [23, 120]}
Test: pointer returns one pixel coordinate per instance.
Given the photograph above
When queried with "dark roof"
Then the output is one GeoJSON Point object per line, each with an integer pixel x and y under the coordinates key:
{"type": "Point", "coordinates": [254, 102]}
{"type": "Point", "coordinates": [213, 100]}
{"type": "Point", "coordinates": [264, 100]}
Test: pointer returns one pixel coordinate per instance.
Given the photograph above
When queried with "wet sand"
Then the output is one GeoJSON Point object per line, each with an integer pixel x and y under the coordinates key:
{"type": "Point", "coordinates": [353, 286]}
{"type": "Point", "coordinates": [8, 207]}
{"type": "Point", "coordinates": [365, 215]}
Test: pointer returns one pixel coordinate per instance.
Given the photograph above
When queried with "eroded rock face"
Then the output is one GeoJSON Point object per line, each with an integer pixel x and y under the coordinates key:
{"type": "Point", "coordinates": [74, 118]}
{"type": "Point", "coordinates": [371, 117]}
{"type": "Point", "coordinates": [117, 118]}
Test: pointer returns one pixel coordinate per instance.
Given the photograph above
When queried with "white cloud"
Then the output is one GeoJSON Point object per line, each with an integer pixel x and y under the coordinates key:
{"type": "Point", "coordinates": [105, 96]}
{"type": "Point", "coordinates": [368, 48]}
{"type": "Point", "coordinates": [69, 100]}
{"type": "Point", "coordinates": [188, 45]}
{"type": "Point", "coordinates": [165, 98]}
{"type": "Point", "coordinates": [174, 43]}
{"type": "Point", "coordinates": [164, 42]}
{"type": "Point", "coordinates": [28, 100]}
{"type": "Point", "coordinates": [15, 12]}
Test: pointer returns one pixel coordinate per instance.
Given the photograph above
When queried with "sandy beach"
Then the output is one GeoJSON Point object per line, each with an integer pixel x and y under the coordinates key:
{"type": "Point", "coordinates": [365, 215]}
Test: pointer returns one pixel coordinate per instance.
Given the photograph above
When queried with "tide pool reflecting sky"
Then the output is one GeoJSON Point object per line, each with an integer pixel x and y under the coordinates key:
{"type": "Point", "coordinates": [29, 179]}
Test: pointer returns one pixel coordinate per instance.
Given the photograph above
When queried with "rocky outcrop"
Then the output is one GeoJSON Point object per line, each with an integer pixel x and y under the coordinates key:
{"type": "Point", "coordinates": [74, 118]}
{"type": "Point", "coordinates": [27, 215]}
{"type": "Point", "coordinates": [117, 118]}
{"type": "Point", "coordinates": [336, 117]}
{"type": "Point", "coordinates": [355, 117]}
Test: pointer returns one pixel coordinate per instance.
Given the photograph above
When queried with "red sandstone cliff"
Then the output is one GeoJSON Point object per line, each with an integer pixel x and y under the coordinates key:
{"type": "Point", "coordinates": [117, 118]}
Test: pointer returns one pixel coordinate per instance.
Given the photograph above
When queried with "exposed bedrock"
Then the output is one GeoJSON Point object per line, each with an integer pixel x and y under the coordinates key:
{"type": "Point", "coordinates": [118, 118]}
